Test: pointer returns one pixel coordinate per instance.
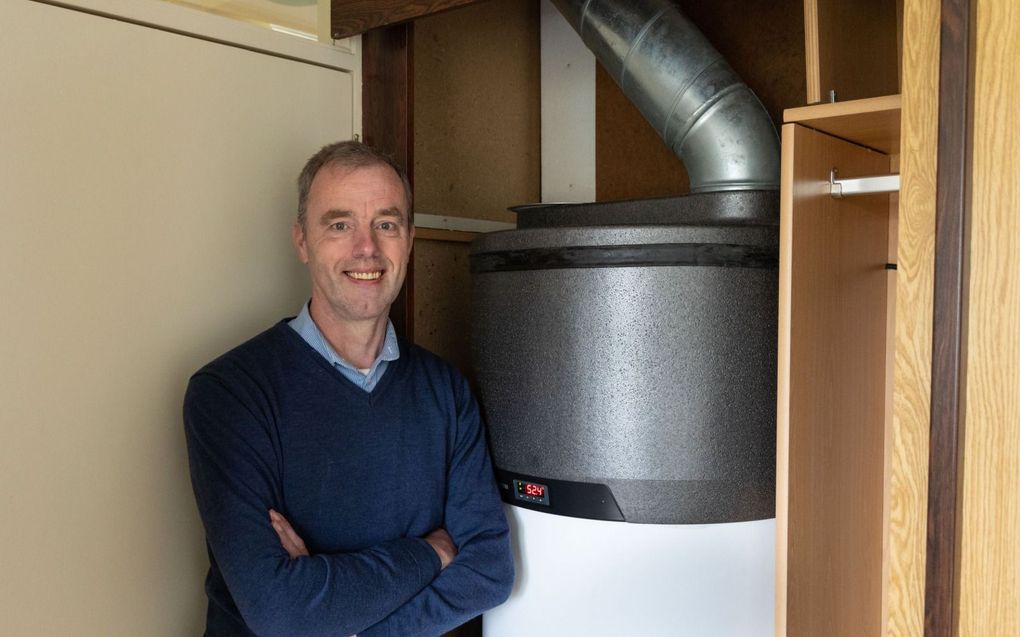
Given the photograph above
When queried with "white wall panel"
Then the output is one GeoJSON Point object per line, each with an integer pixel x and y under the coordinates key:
{"type": "Point", "coordinates": [568, 112]}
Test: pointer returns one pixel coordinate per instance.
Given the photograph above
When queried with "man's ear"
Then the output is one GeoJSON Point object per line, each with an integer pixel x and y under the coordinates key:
{"type": "Point", "coordinates": [297, 237]}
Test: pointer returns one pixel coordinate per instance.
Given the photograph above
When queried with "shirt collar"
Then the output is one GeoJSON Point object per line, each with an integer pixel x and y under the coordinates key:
{"type": "Point", "coordinates": [308, 330]}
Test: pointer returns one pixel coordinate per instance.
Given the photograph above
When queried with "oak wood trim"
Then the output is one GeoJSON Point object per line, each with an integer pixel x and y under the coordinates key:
{"type": "Point", "coordinates": [949, 352]}
{"type": "Point", "coordinates": [387, 95]}
{"type": "Point", "coordinates": [352, 17]}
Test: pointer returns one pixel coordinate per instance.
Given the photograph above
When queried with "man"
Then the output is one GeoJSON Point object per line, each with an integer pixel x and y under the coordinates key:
{"type": "Point", "coordinates": [341, 474]}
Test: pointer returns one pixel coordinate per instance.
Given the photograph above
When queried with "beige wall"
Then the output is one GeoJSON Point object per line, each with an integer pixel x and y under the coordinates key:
{"type": "Point", "coordinates": [146, 186]}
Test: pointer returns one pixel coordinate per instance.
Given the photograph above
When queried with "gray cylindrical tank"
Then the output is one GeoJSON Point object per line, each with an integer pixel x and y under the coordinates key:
{"type": "Point", "coordinates": [625, 355]}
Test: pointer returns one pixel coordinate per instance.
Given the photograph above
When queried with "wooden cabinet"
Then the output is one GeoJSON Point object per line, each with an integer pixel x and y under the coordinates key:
{"type": "Point", "coordinates": [836, 303]}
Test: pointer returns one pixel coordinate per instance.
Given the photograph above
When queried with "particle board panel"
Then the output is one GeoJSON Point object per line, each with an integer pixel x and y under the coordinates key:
{"type": "Point", "coordinates": [908, 486]}
{"type": "Point", "coordinates": [442, 281]}
{"type": "Point", "coordinates": [477, 110]}
{"type": "Point", "coordinates": [832, 391]}
{"type": "Point", "coordinates": [631, 160]}
{"type": "Point", "coordinates": [990, 557]}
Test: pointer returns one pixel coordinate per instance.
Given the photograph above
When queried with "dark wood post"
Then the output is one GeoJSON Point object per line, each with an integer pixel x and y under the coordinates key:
{"type": "Point", "coordinates": [387, 124]}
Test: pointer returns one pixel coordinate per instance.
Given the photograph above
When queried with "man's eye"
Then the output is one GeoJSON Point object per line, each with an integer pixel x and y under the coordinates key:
{"type": "Point", "coordinates": [339, 225]}
{"type": "Point", "coordinates": [387, 225]}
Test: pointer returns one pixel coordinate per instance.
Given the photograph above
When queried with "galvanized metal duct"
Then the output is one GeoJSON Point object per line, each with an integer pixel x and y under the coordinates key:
{"type": "Point", "coordinates": [686, 90]}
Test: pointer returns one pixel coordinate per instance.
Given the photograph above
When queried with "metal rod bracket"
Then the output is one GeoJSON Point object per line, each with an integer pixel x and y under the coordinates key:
{"type": "Point", "coordinates": [839, 188]}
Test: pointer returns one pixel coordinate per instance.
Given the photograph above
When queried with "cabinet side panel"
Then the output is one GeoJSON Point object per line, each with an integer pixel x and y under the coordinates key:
{"type": "Point", "coordinates": [990, 556]}
{"type": "Point", "coordinates": [890, 363]}
{"type": "Point", "coordinates": [915, 271]}
{"type": "Point", "coordinates": [837, 341]}
{"type": "Point", "coordinates": [783, 378]}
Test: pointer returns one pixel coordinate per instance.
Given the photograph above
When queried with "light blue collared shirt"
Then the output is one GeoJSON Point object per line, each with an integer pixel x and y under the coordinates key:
{"type": "Point", "coordinates": [306, 327]}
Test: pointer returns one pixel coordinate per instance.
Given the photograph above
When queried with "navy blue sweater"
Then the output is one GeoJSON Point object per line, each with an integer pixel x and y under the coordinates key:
{"type": "Point", "coordinates": [361, 477]}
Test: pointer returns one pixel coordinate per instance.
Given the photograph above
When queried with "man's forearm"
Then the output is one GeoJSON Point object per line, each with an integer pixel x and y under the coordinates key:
{"type": "Point", "coordinates": [439, 540]}
{"type": "Point", "coordinates": [478, 579]}
{"type": "Point", "coordinates": [331, 594]}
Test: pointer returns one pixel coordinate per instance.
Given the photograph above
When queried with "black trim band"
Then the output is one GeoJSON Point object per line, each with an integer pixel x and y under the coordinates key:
{"type": "Point", "coordinates": [574, 499]}
{"type": "Point", "coordinates": [642, 255]}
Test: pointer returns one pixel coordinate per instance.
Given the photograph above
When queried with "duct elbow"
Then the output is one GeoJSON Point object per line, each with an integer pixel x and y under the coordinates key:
{"type": "Point", "coordinates": [731, 146]}
{"type": "Point", "coordinates": [684, 88]}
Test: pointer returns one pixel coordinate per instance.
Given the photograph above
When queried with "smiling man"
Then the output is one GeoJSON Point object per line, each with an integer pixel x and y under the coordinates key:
{"type": "Point", "coordinates": [341, 473]}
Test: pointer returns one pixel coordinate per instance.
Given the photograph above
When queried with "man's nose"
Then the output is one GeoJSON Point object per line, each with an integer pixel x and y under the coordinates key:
{"type": "Point", "coordinates": [366, 244]}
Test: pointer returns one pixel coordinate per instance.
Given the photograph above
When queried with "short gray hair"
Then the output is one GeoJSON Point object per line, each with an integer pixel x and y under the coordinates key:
{"type": "Point", "coordinates": [351, 155]}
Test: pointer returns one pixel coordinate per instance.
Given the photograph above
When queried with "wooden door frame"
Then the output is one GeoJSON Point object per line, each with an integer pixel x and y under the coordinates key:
{"type": "Point", "coordinates": [949, 329]}
{"type": "Point", "coordinates": [387, 96]}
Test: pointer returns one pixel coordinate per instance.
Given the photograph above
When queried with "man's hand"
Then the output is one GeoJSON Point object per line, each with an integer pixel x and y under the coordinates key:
{"type": "Point", "coordinates": [289, 539]}
{"type": "Point", "coordinates": [443, 545]}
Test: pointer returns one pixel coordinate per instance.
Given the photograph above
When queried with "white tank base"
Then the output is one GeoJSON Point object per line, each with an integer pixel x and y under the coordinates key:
{"type": "Point", "coordinates": [591, 578]}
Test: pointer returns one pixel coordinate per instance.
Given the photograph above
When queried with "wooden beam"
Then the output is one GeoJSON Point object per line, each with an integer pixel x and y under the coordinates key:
{"type": "Point", "coordinates": [353, 17]}
{"type": "Point", "coordinates": [387, 92]}
{"type": "Point", "coordinates": [949, 328]}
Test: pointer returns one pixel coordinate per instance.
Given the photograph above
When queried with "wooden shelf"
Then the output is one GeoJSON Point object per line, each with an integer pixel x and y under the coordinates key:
{"type": "Point", "coordinates": [873, 123]}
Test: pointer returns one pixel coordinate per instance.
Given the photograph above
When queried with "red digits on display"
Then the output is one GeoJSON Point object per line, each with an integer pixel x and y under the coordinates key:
{"type": "Point", "coordinates": [534, 489]}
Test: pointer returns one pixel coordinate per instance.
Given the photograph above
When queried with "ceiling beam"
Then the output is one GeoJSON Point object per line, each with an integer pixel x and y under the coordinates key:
{"type": "Point", "coordinates": [353, 17]}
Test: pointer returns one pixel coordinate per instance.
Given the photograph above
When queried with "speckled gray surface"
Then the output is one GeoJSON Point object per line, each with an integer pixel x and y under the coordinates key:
{"type": "Point", "coordinates": [716, 208]}
{"type": "Point", "coordinates": [657, 381]}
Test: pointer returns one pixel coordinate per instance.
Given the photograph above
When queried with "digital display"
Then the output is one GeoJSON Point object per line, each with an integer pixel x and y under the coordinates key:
{"type": "Point", "coordinates": [531, 492]}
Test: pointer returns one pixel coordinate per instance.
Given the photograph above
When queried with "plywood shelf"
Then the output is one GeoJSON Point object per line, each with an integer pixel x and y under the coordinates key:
{"type": "Point", "coordinates": [873, 122]}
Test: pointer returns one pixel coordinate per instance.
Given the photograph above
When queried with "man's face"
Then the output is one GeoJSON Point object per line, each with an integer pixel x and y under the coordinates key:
{"type": "Point", "coordinates": [356, 241]}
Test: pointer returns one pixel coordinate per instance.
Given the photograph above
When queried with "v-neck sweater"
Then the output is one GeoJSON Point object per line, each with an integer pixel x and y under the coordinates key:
{"type": "Point", "coordinates": [361, 476]}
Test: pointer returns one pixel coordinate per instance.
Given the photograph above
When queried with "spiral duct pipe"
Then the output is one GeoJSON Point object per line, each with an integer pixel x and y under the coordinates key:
{"type": "Point", "coordinates": [684, 88]}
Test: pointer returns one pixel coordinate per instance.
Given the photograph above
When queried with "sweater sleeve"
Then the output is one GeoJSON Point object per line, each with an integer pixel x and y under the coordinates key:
{"type": "Point", "coordinates": [235, 476]}
{"type": "Point", "coordinates": [482, 574]}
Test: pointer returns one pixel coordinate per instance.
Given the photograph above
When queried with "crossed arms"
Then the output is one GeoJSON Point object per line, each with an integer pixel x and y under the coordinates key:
{"type": "Point", "coordinates": [439, 540]}
{"type": "Point", "coordinates": [400, 587]}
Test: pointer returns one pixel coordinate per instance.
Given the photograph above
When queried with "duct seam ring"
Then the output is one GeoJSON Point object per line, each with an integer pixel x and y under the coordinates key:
{"type": "Point", "coordinates": [636, 42]}
{"type": "Point", "coordinates": [692, 122]}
